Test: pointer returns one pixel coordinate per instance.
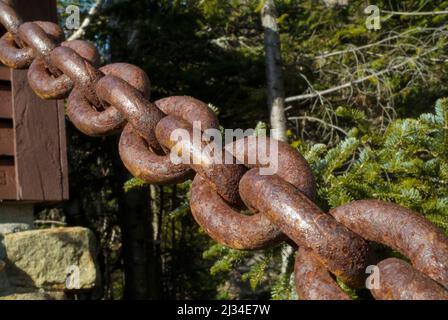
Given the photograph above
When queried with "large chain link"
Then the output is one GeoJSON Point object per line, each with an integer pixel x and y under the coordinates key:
{"type": "Point", "coordinates": [115, 98]}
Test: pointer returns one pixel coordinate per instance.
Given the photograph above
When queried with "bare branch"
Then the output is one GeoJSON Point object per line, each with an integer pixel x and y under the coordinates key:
{"type": "Point", "coordinates": [320, 121]}
{"type": "Point", "coordinates": [370, 45]}
{"type": "Point", "coordinates": [415, 13]}
{"type": "Point", "coordinates": [60, 223]}
{"type": "Point", "coordinates": [357, 81]}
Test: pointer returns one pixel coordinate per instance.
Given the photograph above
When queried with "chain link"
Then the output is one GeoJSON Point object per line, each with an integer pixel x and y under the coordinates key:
{"type": "Point", "coordinates": [50, 84]}
{"type": "Point", "coordinates": [115, 98]}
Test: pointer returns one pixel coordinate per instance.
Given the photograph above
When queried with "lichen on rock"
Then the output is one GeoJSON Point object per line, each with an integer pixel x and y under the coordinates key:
{"type": "Point", "coordinates": [53, 260]}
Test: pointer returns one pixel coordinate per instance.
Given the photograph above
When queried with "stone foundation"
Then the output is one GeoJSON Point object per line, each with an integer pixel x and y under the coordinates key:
{"type": "Point", "coordinates": [45, 264]}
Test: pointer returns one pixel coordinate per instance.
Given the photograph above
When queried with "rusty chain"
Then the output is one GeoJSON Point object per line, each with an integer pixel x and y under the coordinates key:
{"type": "Point", "coordinates": [115, 99]}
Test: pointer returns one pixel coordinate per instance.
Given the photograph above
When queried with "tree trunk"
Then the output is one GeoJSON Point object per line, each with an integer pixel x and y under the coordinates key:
{"type": "Point", "coordinates": [274, 73]}
{"type": "Point", "coordinates": [276, 93]}
{"type": "Point", "coordinates": [139, 269]}
{"type": "Point", "coordinates": [141, 265]}
{"type": "Point", "coordinates": [157, 204]}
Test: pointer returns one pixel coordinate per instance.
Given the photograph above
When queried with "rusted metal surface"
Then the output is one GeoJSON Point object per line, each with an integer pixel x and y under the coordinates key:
{"type": "Point", "coordinates": [115, 99]}
{"type": "Point", "coordinates": [291, 166]}
{"type": "Point", "coordinates": [400, 281]}
{"type": "Point", "coordinates": [343, 252]}
{"type": "Point", "coordinates": [147, 165]}
{"type": "Point", "coordinates": [83, 74]}
{"type": "Point", "coordinates": [221, 177]}
{"type": "Point", "coordinates": [91, 119]}
{"type": "Point", "coordinates": [11, 55]}
{"type": "Point", "coordinates": [9, 18]}
{"type": "Point", "coordinates": [158, 168]}
{"type": "Point", "coordinates": [49, 86]}
{"type": "Point", "coordinates": [401, 229]}
{"type": "Point", "coordinates": [88, 51]}
{"type": "Point", "coordinates": [40, 37]}
{"type": "Point", "coordinates": [226, 224]}
{"type": "Point", "coordinates": [313, 281]}
{"type": "Point", "coordinates": [189, 109]}
{"type": "Point", "coordinates": [142, 114]}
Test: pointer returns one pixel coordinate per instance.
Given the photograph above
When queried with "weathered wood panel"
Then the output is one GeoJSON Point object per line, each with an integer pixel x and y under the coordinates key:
{"type": "Point", "coordinates": [6, 138]}
{"type": "Point", "coordinates": [39, 162]}
{"type": "Point", "coordinates": [5, 73]}
{"type": "Point", "coordinates": [5, 101]}
{"type": "Point", "coordinates": [8, 188]}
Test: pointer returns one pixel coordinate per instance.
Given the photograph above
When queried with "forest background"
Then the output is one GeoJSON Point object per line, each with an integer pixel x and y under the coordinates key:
{"type": "Point", "coordinates": [364, 106]}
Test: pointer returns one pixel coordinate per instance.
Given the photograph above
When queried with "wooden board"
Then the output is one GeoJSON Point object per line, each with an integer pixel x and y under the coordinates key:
{"type": "Point", "coordinates": [6, 138]}
{"type": "Point", "coordinates": [7, 178]}
{"type": "Point", "coordinates": [5, 74]}
{"type": "Point", "coordinates": [40, 144]}
{"type": "Point", "coordinates": [37, 169]}
{"type": "Point", "coordinates": [5, 101]}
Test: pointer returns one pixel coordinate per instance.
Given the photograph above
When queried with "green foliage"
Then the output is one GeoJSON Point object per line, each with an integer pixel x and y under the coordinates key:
{"type": "Point", "coordinates": [226, 258]}
{"type": "Point", "coordinates": [261, 129]}
{"type": "Point", "coordinates": [321, 50]}
{"type": "Point", "coordinates": [213, 50]}
{"type": "Point", "coordinates": [214, 108]}
{"type": "Point", "coordinates": [180, 211]}
{"type": "Point", "coordinates": [350, 113]}
{"type": "Point", "coordinates": [283, 288]}
{"type": "Point", "coordinates": [407, 164]}
{"type": "Point", "coordinates": [133, 183]}
{"type": "Point", "coordinates": [352, 293]}
{"type": "Point", "coordinates": [257, 272]}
